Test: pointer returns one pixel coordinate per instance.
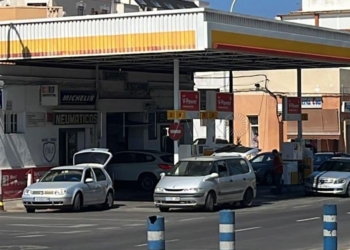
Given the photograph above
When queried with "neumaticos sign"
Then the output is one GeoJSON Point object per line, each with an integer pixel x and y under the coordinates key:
{"type": "Point", "coordinates": [75, 118]}
{"type": "Point", "coordinates": [77, 97]}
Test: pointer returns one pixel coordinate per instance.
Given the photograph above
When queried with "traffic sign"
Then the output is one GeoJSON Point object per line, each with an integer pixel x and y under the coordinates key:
{"type": "Point", "coordinates": [176, 131]}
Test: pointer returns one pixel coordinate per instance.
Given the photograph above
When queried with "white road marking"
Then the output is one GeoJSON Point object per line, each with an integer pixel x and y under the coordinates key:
{"type": "Point", "coordinates": [308, 219]}
{"type": "Point", "coordinates": [167, 241]}
{"type": "Point", "coordinates": [31, 236]}
{"type": "Point", "coordinates": [190, 219]}
{"type": "Point", "coordinates": [141, 245]}
{"type": "Point", "coordinates": [53, 226]}
{"type": "Point", "coordinates": [66, 218]}
{"type": "Point", "coordinates": [247, 229]}
{"type": "Point", "coordinates": [108, 228]}
{"type": "Point", "coordinates": [302, 206]}
{"type": "Point", "coordinates": [348, 213]}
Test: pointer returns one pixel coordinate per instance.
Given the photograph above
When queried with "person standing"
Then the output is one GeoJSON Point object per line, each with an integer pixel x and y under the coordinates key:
{"type": "Point", "coordinates": [277, 172]}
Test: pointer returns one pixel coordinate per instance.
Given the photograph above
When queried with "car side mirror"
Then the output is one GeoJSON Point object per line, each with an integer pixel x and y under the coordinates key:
{"type": "Point", "coordinates": [37, 180]}
{"type": "Point", "coordinates": [88, 180]}
{"type": "Point", "coordinates": [162, 175]}
{"type": "Point", "coordinates": [214, 175]}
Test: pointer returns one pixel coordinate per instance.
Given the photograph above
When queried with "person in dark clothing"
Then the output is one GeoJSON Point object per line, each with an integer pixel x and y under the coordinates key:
{"type": "Point", "coordinates": [277, 172]}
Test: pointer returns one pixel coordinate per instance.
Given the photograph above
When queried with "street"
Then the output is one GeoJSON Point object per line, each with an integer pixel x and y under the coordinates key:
{"type": "Point", "coordinates": [280, 224]}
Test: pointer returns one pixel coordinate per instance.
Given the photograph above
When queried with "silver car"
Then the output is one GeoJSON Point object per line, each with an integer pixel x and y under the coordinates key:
{"type": "Point", "coordinates": [206, 181]}
{"type": "Point", "coordinates": [332, 177]}
{"type": "Point", "coordinates": [72, 186]}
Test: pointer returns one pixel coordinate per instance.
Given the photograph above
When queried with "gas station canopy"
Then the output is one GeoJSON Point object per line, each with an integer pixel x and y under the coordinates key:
{"type": "Point", "coordinates": [202, 40]}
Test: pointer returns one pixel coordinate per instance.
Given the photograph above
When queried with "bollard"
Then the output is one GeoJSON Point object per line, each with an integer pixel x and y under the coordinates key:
{"type": "Point", "coordinates": [227, 230]}
{"type": "Point", "coordinates": [155, 233]}
{"type": "Point", "coordinates": [330, 241]}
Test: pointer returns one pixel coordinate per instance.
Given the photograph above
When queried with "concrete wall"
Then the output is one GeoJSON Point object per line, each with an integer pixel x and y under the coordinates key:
{"type": "Point", "coordinates": [315, 81]}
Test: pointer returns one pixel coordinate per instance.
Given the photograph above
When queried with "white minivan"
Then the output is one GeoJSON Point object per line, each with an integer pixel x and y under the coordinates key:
{"type": "Point", "coordinates": [206, 181]}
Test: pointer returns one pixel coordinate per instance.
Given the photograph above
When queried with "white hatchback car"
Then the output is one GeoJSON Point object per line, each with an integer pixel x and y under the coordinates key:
{"type": "Point", "coordinates": [85, 184]}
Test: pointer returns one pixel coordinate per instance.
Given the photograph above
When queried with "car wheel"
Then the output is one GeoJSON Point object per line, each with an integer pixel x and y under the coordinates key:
{"type": "Point", "coordinates": [247, 198]}
{"type": "Point", "coordinates": [210, 202]}
{"type": "Point", "coordinates": [147, 182]}
{"type": "Point", "coordinates": [268, 178]}
{"type": "Point", "coordinates": [30, 210]}
{"type": "Point", "coordinates": [109, 200]}
{"type": "Point", "coordinates": [77, 203]}
{"type": "Point", "coordinates": [164, 209]}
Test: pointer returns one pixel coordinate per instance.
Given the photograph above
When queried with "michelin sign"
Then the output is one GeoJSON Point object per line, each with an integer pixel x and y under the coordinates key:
{"type": "Point", "coordinates": [345, 108]}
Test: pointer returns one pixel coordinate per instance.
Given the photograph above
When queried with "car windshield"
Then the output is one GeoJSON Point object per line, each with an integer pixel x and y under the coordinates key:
{"type": "Point", "coordinates": [97, 158]}
{"type": "Point", "coordinates": [192, 168]}
{"type": "Point", "coordinates": [320, 158]}
{"type": "Point", "coordinates": [63, 175]}
{"type": "Point", "coordinates": [336, 166]}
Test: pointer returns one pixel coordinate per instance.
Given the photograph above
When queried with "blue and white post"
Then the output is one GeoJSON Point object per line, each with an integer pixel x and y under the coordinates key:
{"type": "Point", "coordinates": [155, 233]}
{"type": "Point", "coordinates": [330, 240]}
{"type": "Point", "coordinates": [227, 230]}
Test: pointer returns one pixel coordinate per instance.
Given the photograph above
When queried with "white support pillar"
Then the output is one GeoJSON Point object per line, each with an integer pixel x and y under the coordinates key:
{"type": "Point", "coordinates": [300, 123]}
{"type": "Point", "coordinates": [176, 103]}
{"type": "Point", "coordinates": [211, 125]}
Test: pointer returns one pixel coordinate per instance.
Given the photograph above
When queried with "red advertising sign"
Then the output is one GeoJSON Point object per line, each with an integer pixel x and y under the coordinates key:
{"type": "Point", "coordinates": [14, 181]}
{"type": "Point", "coordinates": [176, 131]}
{"type": "Point", "coordinates": [293, 105]}
{"type": "Point", "coordinates": [224, 102]}
{"type": "Point", "coordinates": [189, 100]}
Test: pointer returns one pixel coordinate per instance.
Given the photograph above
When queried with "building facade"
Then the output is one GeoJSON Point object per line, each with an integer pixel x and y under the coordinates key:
{"type": "Point", "coordinates": [258, 94]}
{"type": "Point", "coordinates": [49, 115]}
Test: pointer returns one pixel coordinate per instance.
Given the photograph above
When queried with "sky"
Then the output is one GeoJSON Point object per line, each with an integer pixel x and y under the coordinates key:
{"type": "Point", "coordinates": [261, 8]}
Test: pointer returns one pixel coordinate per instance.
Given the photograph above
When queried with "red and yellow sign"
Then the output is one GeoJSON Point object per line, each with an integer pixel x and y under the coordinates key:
{"type": "Point", "coordinates": [274, 46]}
{"type": "Point", "coordinates": [108, 44]}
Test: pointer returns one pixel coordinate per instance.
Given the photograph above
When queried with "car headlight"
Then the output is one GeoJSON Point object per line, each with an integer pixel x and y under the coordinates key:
{"type": "Point", "coordinates": [193, 190]}
{"type": "Point", "coordinates": [159, 189]}
{"type": "Point", "coordinates": [27, 191]}
{"type": "Point", "coordinates": [339, 181]}
{"type": "Point", "coordinates": [61, 191]}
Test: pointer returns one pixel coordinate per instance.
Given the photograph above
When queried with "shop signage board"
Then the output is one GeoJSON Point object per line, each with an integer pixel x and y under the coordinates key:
{"type": "Point", "coordinates": [176, 131]}
{"type": "Point", "coordinates": [311, 102]}
{"type": "Point", "coordinates": [291, 109]}
{"type": "Point", "coordinates": [77, 97]}
{"type": "Point", "coordinates": [224, 102]}
{"type": "Point", "coordinates": [190, 102]}
{"type": "Point", "coordinates": [75, 118]}
{"type": "Point", "coordinates": [345, 107]}
{"type": "Point", "coordinates": [49, 95]}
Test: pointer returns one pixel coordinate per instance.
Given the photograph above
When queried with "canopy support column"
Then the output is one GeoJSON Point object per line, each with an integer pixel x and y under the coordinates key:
{"type": "Point", "coordinates": [300, 123]}
{"type": "Point", "coordinates": [176, 73]}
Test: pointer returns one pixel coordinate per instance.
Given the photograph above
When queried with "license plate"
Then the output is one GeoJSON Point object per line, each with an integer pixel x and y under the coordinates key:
{"type": "Point", "coordinates": [325, 186]}
{"type": "Point", "coordinates": [172, 198]}
{"type": "Point", "coordinates": [41, 199]}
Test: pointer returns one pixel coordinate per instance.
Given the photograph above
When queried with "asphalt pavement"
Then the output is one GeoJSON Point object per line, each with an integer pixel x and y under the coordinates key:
{"type": "Point", "coordinates": [287, 224]}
